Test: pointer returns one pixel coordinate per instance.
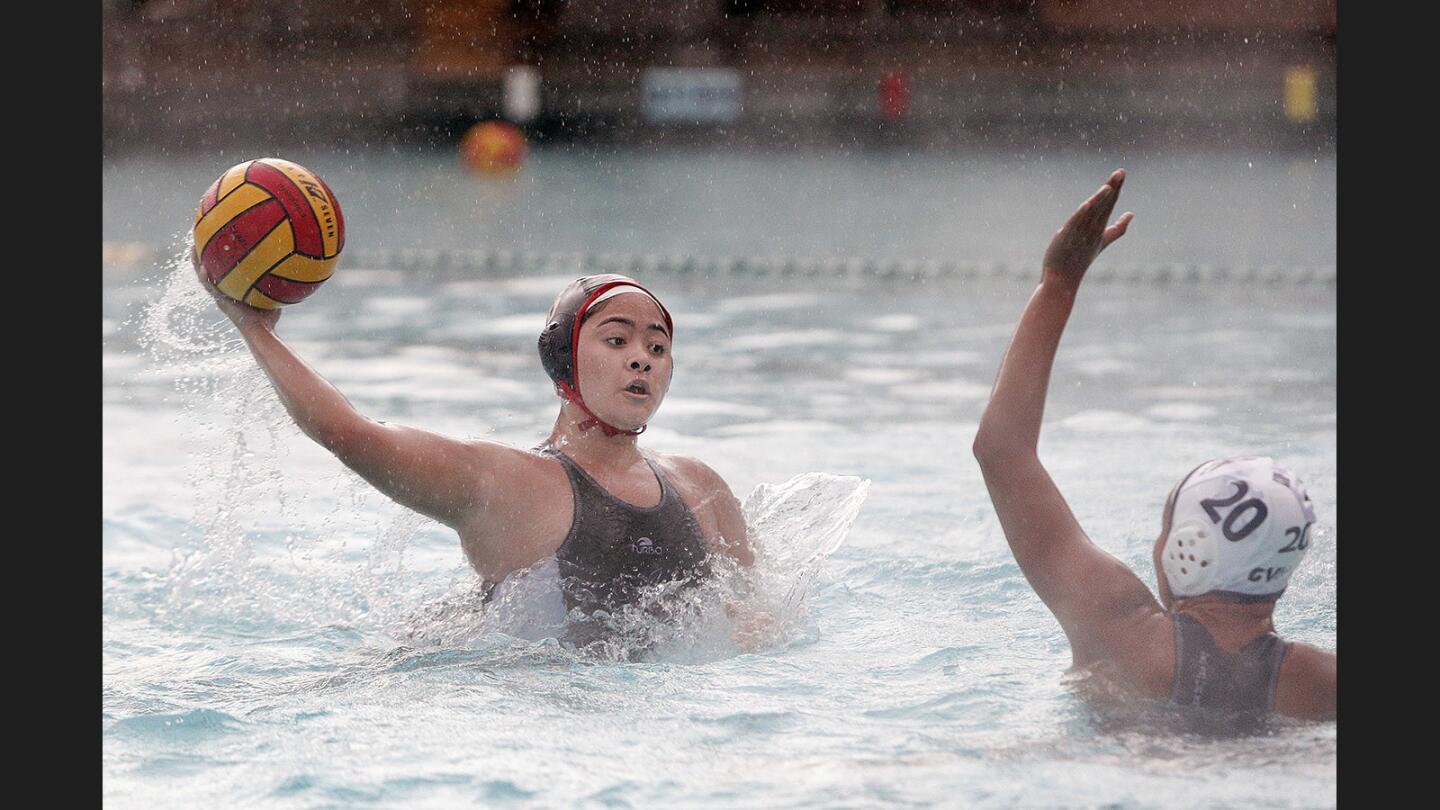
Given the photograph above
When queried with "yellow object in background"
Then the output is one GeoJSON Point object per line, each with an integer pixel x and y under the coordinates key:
{"type": "Point", "coordinates": [1300, 96]}
{"type": "Point", "coordinates": [493, 147]}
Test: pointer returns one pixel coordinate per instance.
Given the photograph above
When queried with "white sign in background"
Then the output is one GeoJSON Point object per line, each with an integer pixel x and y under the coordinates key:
{"type": "Point", "coordinates": [521, 99]}
{"type": "Point", "coordinates": [692, 95]}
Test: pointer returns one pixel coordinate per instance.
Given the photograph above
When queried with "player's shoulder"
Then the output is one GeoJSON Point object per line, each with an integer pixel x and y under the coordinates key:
{"type": "Point", "coordinates": [1136, 633]}
{"type": "Point", "coordinates": [490, 450]}
{"type": "Point", "coordinates": [688, 467]}
{"type": "Point", "coordinates": [504, 463]}
{"type": "Point", "coordinates": [1309, 661]}
{"type": "Point", "coordinates": [1307, 684]}
{"type": "Point", "coordinates": [692, 476]}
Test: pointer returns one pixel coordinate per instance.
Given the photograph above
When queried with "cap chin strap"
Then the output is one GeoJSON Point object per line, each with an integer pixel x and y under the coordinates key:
{"type": "Point", "coordinates": [605, 427]}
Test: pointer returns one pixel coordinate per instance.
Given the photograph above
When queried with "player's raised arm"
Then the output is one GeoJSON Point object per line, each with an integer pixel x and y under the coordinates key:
{"type": "Point", "coordinates": [435, 475]}
{"type": "Point", "coordinates": [1080, 583]}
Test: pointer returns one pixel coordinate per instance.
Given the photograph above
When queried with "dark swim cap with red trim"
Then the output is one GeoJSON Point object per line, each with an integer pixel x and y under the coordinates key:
{"type": "Point", "coordinates": [562, 333]}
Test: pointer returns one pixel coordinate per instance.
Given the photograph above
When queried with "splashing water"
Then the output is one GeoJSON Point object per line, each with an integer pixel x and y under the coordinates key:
{"type": "Point", "coordinates": [808, 517]}
{"type": "Point", "coordinates": [794, 526]}
{"type": "Point", "coordinates": [226, 401]}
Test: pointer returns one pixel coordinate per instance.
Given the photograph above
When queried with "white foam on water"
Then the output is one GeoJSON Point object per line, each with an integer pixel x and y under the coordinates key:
{"type": "Point", "coordinates": [880, 376]}
{"type": "Point", "coordinates": [369, 277]}
{"type": "Point", "coordinates": [687, 321]}
{"type": "Point", "coordinates": [543, 286]}
{"type": "Point", "coordinates": [506, 326]}
{"type": "Point", "coordinates": [794, 526]}
{"type": "Point", "coordinates": [780, 427]}
{"type": "Point", "coordinates": [749, 303]}
{"type": "Point", "coordinates": [924, 358]}
{"type": "Point", "coordinates": [896, 323]}
{"type": "Point", "coordinates": [1102, 421]}
{"type": "Point", "coordinates": [942, 390]}
{"type": "Point", "coordinates": [1194, 392]}
{"type": "Point", "coordinates": [1181, 411]}
{"type": "Point", "coordinates": [694, 406]}
{"type": "Point", "coordinates": [782, 340]}
{"type": "Point", "coordinates": [1103, 367]}
{"type": "Point", "coordinates": [397, 305]}
{"type": "Point", "coordinates": [110, 361]}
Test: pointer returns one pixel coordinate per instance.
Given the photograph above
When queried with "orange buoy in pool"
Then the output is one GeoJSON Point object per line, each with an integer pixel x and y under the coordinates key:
{"type": "Point", "coordinates": [493, 147]}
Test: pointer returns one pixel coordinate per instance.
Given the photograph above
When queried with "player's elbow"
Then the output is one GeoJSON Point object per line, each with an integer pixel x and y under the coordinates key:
{"type": "Point", "coordinates": [992, 449]}
{"type": "Point", "coordinates": [980, 448]}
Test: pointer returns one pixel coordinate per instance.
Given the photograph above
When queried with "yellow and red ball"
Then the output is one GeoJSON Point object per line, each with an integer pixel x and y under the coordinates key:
{"type": "Point", "coordinates": [268, 232]}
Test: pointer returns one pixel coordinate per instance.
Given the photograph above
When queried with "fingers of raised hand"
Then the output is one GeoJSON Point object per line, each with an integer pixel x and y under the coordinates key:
{"type": "Point", "coordinates": [1090, 217]}
{"type": "Point", "coordinates": [1117, 230]}
{"type": "Point", "coordinates": [1104, 203]}
{"type": "Point", "coordinates": [1084, 218]}
{"type": "Point", "coordinates": [1106, 196]}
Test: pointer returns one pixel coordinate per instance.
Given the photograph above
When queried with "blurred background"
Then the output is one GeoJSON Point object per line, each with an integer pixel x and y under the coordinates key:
{"type": "Point", "coordinates": [202, 74]}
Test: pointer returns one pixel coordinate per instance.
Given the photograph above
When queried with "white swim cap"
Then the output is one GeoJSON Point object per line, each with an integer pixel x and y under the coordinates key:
{"type": "Point", "coordinates": [1239, 527]}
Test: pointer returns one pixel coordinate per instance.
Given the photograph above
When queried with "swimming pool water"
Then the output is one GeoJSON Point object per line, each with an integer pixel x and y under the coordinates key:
{"type": "Point", "coordinates": [257, 596]}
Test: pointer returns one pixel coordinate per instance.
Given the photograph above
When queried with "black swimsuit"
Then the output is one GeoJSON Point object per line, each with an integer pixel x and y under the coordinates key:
{"type": "Point", "coordinates": [615, 550]}
{"type": "Point", "coordinates": [1209, 677]}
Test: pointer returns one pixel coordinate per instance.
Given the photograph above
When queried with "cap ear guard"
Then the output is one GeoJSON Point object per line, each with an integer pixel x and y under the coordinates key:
{"type": "Point", "coordinates": [556, 353]}
{"type": "Point", "coordinates": [1189, 559]}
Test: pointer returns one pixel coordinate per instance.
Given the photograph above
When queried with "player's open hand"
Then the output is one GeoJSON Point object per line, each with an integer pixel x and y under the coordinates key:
{"type": "Point", "coordinates": [1081, 239]}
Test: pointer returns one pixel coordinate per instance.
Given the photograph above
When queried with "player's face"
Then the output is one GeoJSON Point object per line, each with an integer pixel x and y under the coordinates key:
{"type": "Point", "coordinates": [624, 360]}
